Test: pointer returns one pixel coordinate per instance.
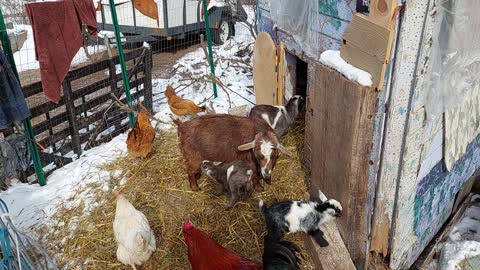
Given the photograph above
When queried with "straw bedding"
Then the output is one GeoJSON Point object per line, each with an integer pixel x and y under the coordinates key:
{"type": "Point", "coordinates": [158, 187]}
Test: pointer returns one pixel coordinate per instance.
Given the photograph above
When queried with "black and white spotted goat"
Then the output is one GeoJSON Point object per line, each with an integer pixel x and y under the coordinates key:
{"type": "Point", "coordinates": [233, 177]}
{"type": "Point", "coordinates": [298, 216]}
{"type": "Point", "coordinates": [279, 118]}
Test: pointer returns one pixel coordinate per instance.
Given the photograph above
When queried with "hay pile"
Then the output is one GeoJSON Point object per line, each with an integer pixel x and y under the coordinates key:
{"type": "Point", "coordinates": [158, 187]}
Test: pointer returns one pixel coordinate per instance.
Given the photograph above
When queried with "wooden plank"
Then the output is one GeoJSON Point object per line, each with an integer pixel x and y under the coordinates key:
{"type": "Point", "coordinates": [101, 99]}
{"type": "Point", "coordinates": [50, 123]}
{"type": "Point", "coordinates": [365, 46]}
{"type": "Point", "coordinates": [368, 36]}
{"type": "Point", "coordinates": [52, 139]}
{"type": "Point", "coordinates": [45, 107]}
{"type": "Point", "coordinates": [381, 11]}
{"type": "Point", "coordinates": [91, 88]}
{"type": "Point", "coordinates": [341, 127]}
{"type": "Point", "coordinates": [335, 255]}
{"type": "Point", "coordinates": [280, 74]}
{"type": "Point", "coordinates": [32, 89]}
{"type": "Point", "coordinates": [147, 87]}
{"type": "Point", "coordinates": [80, 72]}
{"type": "Point", "coordinates": [71, 113]}
{"type": "Point", "coordinates": [264, 75]}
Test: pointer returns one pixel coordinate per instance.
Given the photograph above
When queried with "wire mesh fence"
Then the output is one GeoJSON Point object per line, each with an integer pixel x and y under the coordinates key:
{"type": "Point", "coordinates": [165, 43]}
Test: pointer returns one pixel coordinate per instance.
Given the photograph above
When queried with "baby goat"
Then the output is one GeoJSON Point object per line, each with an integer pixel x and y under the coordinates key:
{"type": "Point", "coordinates": [298, 216]}
{"type": "Point", "coordinates": [279, 118]}
{"type": "Point", "coordinates": [233, 177]}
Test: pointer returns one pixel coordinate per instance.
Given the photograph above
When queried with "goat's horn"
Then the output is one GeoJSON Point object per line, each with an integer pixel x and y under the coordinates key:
{"type": "Point", "coordinates": [322, 196]}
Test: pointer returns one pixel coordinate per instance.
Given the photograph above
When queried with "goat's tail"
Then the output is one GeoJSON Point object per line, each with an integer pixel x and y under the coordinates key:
{"type": "Point", "coordinates": [262, 206]}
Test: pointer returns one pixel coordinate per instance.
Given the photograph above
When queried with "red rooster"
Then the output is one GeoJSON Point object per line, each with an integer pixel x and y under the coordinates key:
{"type": "Point", "coordinates": [206, 254]}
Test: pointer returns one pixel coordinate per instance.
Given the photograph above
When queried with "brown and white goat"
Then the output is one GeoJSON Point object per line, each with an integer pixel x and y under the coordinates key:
{"type": "Point", "coordinates": [279, 118]}
{"type": "Point", "coordinates": [226, 138]}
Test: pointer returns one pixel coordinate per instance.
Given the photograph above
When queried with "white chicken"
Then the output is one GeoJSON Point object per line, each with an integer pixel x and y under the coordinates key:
{"type": "Point", "coordinates": [135, 238]}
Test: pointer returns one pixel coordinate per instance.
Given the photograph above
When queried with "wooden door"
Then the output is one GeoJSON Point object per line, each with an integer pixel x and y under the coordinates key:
{"type": "Point", "coordinates": [339, 132]}
{"type": "Point", "coordinates": [264, 73]}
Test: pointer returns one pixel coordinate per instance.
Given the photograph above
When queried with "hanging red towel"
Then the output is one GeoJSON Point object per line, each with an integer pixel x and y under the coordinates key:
{"type": "Point", "coordinates": [57, 33]}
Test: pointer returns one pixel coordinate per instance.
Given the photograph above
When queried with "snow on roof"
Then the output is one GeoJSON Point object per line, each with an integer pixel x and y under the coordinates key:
{"type": "Point", "coordinates": [334, 60]}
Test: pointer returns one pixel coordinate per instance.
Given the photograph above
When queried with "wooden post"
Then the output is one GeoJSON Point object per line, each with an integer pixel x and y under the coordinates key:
{"type": "Point", "coordinates": [112, 71]}
{"type": "Point", "coordinates": [71, 112]}
{"type": "Point", "coordinates": [147, 87]}
{"type": "Point", "coordinates": [340, 131]}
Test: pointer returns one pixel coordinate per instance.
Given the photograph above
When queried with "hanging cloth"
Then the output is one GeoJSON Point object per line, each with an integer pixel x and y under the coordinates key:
{"type": "Point", "coordinates": [13, 108]}
{"type": "Point", "coordinates": [57, 33]}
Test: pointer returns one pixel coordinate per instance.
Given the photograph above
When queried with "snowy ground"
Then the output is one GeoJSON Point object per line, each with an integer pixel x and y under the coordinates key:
{"type": "Point", "coordinates": [233, 67]}
{"type": "Point", "coordinates": [74, 185]}
{"type": "Point", "coordinates": [464, 239]}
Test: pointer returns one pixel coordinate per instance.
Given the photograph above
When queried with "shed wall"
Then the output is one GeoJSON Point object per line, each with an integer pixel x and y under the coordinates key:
{"type": "Point", "coordinates": [416, 192]}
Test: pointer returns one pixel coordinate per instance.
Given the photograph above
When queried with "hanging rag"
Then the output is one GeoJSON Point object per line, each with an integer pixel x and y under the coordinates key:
{"type": "Point", "coordinates": [13, 108]}
{"type": "Point", "coordinates": [57, 34]}
{"type": "Point", "coordinates": [14, 158]}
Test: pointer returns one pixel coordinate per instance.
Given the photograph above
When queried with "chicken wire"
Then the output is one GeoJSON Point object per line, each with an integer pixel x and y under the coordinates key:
{"type": "Point", "coordinates": [178, 58]}
{"type": "Point", "coordinates": [90, 96]}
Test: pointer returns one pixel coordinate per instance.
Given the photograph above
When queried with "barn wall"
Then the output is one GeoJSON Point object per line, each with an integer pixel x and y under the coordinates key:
{"type": "Point", "coordinates": [416, 192]}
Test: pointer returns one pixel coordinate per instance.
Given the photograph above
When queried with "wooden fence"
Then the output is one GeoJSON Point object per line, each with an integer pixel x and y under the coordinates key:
{"type": "Point", "coordinates": [87, 114]}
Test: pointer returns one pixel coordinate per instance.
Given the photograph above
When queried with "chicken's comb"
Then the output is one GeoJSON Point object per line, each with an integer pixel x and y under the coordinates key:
{"type": "Point", "coordinates": [188, 226]}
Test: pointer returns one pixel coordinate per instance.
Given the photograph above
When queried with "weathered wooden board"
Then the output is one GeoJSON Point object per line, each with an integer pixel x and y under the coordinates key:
{"type": "Point", "coordinates": [281, 74]}
{"type": "Point", "coordinates": [341, 127]}
{"type": "Point", "coordinates": [264, 75]}
{"type": "Point", "coordinates": [335, 255]}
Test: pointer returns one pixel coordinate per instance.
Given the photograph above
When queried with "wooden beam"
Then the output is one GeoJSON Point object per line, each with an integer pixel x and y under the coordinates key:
{"type": "Point", "coordinates": [280, 73]}
{"type": "Point", "coordinates": [340, 129]}
{"type": "Point", "coordinates": [381, 11]}
{"type": "Point", "coordinates": [335, 255]}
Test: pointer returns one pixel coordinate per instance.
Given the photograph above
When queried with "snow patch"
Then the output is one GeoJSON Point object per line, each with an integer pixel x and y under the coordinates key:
{"type": "Point", "coordinates": [463, 240]}
{"type": "Point", "coordinates": [33, 205]}
{"type": "Point", "coordinates": [335, 61]}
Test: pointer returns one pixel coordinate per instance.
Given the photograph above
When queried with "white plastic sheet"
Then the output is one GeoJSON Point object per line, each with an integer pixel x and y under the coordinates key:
{"type": "Point", "coordinates": [455, 56]}
{"type": "Point", "coordinates": [296, 18]}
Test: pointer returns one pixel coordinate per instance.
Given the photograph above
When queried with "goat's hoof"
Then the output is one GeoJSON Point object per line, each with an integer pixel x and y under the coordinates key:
{"type": "Point", "coordinates": [196, 188]}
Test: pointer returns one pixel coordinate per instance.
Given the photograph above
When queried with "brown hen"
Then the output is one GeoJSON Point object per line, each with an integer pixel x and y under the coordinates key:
{"type": "Point", "coordinates": [180, 106]}
{"type": "Point", "coordinates": [140, 138]}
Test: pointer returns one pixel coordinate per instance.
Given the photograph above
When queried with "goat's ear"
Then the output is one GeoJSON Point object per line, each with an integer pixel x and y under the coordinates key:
{"type": "Point", "coordinates": [247, 146]}
{"type": "Point", "coordinates": [322, 196]}
{"type": "Point", "coordinates": [284, 150]}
